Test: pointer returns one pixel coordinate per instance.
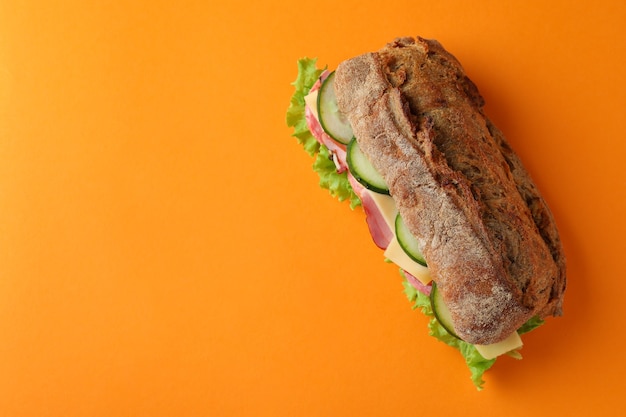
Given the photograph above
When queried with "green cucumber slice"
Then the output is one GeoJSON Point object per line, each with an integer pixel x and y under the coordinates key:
{"type": "Point", "coordinates": [363, 170]}
{"type": "Point", "coordinates": [332, 120]}
{"type": "Point", "coordinates": [442, 314]}
{"type": "Point", "coordinates": [408, 242]}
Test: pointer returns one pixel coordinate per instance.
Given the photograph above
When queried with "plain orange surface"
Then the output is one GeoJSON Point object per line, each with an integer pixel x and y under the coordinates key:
{"type": "Point", "coordinates": [165, 249]}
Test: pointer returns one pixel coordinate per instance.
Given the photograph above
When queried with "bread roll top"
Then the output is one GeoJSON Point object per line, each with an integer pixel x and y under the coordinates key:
{"type": "Point", "coordinates": [487, 234]}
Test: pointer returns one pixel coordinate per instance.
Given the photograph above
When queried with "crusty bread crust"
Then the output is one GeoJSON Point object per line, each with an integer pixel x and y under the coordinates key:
{"type": "Point", "coordinates": [488, 236]}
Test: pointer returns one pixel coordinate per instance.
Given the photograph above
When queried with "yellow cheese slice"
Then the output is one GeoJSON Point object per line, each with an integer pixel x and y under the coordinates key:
{"type": "Point", "coordinates": [512, 342]}
{"type": "Point", "coordinates": [396, 254]}
{"type": "Point", "coordinates": [311, 101]}
{"type": "Point", "coordinates": [387, 208]}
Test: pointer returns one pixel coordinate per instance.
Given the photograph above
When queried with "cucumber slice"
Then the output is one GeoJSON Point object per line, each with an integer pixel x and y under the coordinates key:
{"type": "Point", "coordinates": [442, 314]}
{"type": "Point", "coordinates": [408, 242]}
{"type": "Point", "coordinates": [363, 170]}
{"type": "Point", "coordinates": [332, 120]}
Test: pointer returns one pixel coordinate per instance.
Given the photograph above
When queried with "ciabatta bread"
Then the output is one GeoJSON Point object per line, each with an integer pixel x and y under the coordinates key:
{"type": "Point", "coordinates": [488, 236]}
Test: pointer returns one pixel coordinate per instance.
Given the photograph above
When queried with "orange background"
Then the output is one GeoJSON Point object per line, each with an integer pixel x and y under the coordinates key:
{"type": "Point", "coordinates": [165, 249]}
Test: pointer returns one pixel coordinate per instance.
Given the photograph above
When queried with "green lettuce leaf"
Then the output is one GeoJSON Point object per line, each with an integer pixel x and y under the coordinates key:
{"type": "Point", "coordinates": [336, 183]}
{"type": "Point", "coordinates": [475, 362]}
{"type": "Point", "coordinates": [531, 324]}
{"type": "Point", "coordinates": [308, 73]}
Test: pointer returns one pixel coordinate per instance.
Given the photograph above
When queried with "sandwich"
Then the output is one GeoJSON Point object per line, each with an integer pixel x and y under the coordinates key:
{"type": "Point", "coordinates": [402, 133]}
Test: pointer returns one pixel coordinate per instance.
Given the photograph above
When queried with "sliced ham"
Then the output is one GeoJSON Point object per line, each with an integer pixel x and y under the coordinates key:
{"type": "Point", "coordinates": [380, 231]}
{"type": "Point", "coordinates": [337, 150]}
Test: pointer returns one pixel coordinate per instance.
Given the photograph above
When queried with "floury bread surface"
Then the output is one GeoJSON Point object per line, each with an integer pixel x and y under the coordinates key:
{"type": "Point", "coordinates": [488, 236]}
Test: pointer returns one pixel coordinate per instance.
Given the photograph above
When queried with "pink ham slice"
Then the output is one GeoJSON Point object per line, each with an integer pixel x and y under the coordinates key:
{"type": "Point", "coordinates": [337, 150]}
{"type": "Point", "coordinates": [378, 228]}
{"type": "Point", "coordinates": [380, 231]}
